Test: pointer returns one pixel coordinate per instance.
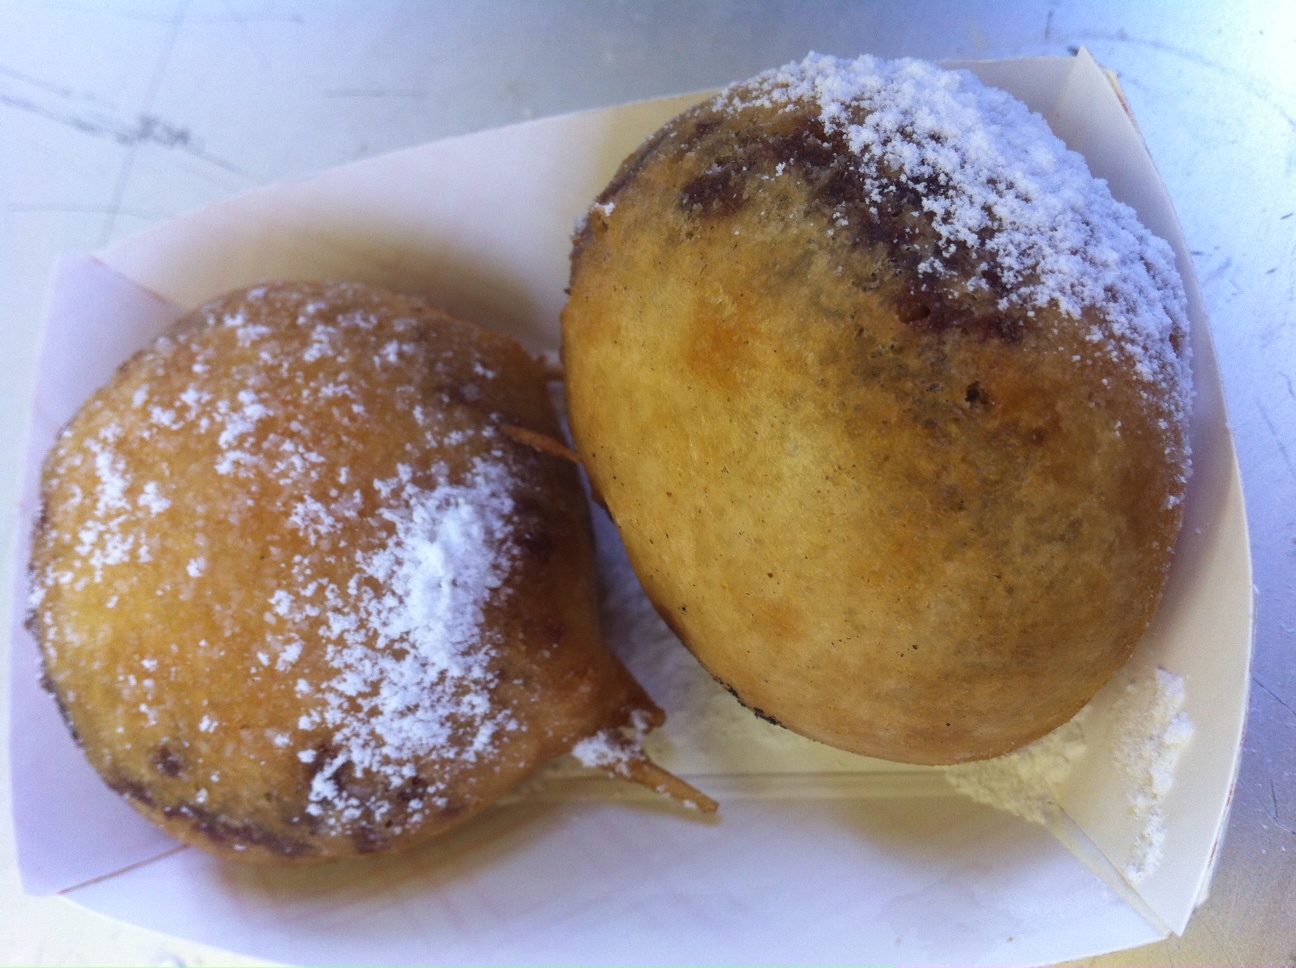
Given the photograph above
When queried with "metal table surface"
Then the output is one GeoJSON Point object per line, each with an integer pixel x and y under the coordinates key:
{"type": "Point", "coordinates": [115, 116]}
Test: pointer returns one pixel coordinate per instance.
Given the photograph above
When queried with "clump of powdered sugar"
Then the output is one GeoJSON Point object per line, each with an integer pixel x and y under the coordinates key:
{"type": "Point", "coordinates": [1150, 731]}
{"type": "Point", "coordinates": [1002, 193]}
{"type": "Point", "coordinates": [1028, 782]}
{"type": "Point", "coordinates": [614, 749]}
{"type": "Point", "coordinates": [408, 641]}
{"type": "Point", "coordinates": [602, 750]}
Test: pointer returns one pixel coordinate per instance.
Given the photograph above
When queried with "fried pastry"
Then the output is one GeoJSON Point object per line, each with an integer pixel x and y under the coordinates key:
{"type": "Point", "coordinates": [888, 398]}
{"type": "Point", "coordinates": [302, 595]}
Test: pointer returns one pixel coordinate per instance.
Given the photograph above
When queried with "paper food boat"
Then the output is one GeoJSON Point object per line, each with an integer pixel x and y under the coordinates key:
{"type": "Point", "coordinates": [818, 856]}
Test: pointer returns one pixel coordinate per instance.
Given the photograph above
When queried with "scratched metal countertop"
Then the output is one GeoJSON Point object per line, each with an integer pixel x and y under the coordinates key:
{"type": "Point", "coordinates": [116, 116]}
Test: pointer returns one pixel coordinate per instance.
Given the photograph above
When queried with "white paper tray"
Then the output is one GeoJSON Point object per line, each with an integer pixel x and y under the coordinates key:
{"type": "Point", "coordinates": [818, 856]}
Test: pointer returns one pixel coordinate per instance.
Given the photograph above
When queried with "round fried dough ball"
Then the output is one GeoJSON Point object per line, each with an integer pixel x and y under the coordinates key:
{"type": "Point", "coordinates": [888, 398]}
{"type": "Point", "coordinates": [299, 593]}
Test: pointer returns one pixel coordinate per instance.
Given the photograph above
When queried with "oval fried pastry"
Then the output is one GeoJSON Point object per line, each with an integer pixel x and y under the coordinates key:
{"type": "Point", "coordinates": [300, 595]}
{"type": "Point", "coordinates": [888, 399]}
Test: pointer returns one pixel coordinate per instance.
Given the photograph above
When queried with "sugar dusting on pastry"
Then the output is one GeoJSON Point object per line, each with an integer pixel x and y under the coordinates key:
{"type": "Point", "coordinates": [298, 592]}
{"type": "Point", "coordinates": [405, 635]}
{"type": "Point", "coordinates": [994, 181]}
{"type": "Point", "coordinates": [408, 641]}
{"type": "Point", "coordinates": [901, 448]}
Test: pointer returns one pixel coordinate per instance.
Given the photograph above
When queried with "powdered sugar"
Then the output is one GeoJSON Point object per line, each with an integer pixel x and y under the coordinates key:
{"type": "Point", "coordinates": [239, 421]}
{"type": "Point", "coordinates": [106, 539]}
{"type": "Point", "coordinates": [1149, 730]}
{"type": "Point", "coordinates": [1028, 782]}
{"type": "Point", "coordinates": [408, 639]}
{"type": "Point", "coordinates": [1003, 195]}
{"type": "Point", "coordinates": [605, 750]}
{"type": "Point", "coordinates": [1152, 732]}
{"type": "Point", "coordinates": [614, 749]}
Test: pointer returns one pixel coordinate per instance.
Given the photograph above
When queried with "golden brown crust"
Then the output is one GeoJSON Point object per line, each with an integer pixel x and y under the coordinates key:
{"type": "Point", "coordinates": [249, 539]}
{"type": "Point", "coordinates": [896, 516]}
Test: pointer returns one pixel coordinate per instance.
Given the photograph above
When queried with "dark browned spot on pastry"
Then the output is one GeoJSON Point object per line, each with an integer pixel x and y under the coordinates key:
{"type": "Point", "coordinates": [721, 189]}
{"type": "Point", "coordinates": [369, 839]}
{"type": "Point", "coordinates": [624, 176]}
{"type": "Point", "coordinates": [762, 714]}
{"type": "Point", "coordinates": [534, 538]}
{"type": "Point", "coordinates": [759, 713]}
{"type": "Point", "coordinates": [932, 310]}
{"type": "Point", "coordinates": [728, 158]}
{"type": "Point", "coordinates": [1001, 326]}
{"type": "Point", "coordinates": [554, 631]}
{"type": "Point", "coordinates": [717, 192]}
{"type": "Point", "coordinates": [912, 307]}
{"type": "Point", "coordinates": [634, 164]}
{"type": "Point", "coordinates": [537, 543]}
{"type": "Point", "coordinates": [224, 832]}
{"type": "Point", "coordinates": [808, 146]}
{"type": "Point", "coordinates": [324, 754]}
{"type": "Point", "coordinates": [130, 788]}
{"type": "Point", "coordinates": [451, 809]}
{"type": "Point", "coordinates": [415, 788]}
{"type": "Point", "coordinates": [48, 685]}
{"type": "Point", "coordinates": [166, 761]}
{"type": "Point", "coordinates": [689, 135]}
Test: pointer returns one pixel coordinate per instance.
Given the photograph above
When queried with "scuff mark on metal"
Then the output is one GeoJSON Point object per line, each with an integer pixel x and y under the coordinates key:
{"type": "Point", "coordinates": [142, 129]}
{"type": "Point", "coordinates": [1275, 696]}
{"type": "Point", "coordinates": [1282, 449]}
